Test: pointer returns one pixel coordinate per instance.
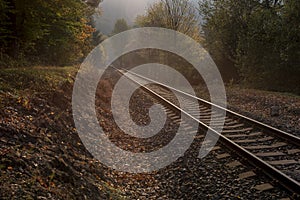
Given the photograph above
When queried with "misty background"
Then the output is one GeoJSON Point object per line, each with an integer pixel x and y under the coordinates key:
{"type": "Point", "coordinates": [112, 10]}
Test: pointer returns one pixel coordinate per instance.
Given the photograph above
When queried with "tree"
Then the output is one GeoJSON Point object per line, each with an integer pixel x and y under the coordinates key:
{"type": "Point", "coordinates": [178, 15]}
{"type": "Point", "coordinates": [52, 32]}
{"type": "Point", "coordinates": [153, 18]}
{"type": "Point", "coordinates": [120, 26]}
{"type": "Point", "coordinates": [98, 37]}
{"type": "Point", "coordinates": [259, 37]}
{"type": "Point", "coordinates": [5, 32]}
{"type": "Point", "coordinates": [93, 3]}
{"type": "Point", "coordinates": [224, 22]}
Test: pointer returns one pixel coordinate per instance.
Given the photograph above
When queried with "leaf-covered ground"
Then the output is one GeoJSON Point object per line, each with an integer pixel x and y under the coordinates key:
{"type": "Point", "coordinates": [280, 110]}
{"type": "Point", "coordinates": [42, 156]}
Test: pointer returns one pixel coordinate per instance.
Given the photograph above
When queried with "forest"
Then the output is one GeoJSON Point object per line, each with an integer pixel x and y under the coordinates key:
{"type": "Point", "coordinates": [44, 152]}
{"type": "Point", "coordinates": [45, 32]}
{"type": "Point", "coordinates": [253, 42]}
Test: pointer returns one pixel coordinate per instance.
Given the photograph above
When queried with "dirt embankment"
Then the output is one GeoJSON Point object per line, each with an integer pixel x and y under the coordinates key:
{"type": "Point", "coordinates": [42, 156]}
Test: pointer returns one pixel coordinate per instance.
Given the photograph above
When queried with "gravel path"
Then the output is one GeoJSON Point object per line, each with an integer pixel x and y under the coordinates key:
{"type": "Point", "coordinates": [220, 175]}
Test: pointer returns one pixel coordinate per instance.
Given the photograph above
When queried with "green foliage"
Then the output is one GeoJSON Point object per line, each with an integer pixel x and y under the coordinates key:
{"type": "Point", "coordinates": [120, 26]}
{"type": "Point", "coordinates": [261, 38]}
{"type": "Point", "coordinates": [178, 15]}
{"type": "Point", "coordinates": [153, 17]}
{"type": "Point", "coordinates": [51, 32]}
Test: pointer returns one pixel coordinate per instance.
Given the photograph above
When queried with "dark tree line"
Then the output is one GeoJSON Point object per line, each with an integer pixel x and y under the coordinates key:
{"type": "Point", "coordinates": [49, 32]}
{"type": "Point", "coordinates": [260, 38]}
{"type": "Point", "coordinates": [256, 42]}
{"type": "Point", "coordinates": [253, 42]}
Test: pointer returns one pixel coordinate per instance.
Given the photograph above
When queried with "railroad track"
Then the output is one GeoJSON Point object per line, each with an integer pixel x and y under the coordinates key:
{"type": "Point", "coordinates": [275, 152]}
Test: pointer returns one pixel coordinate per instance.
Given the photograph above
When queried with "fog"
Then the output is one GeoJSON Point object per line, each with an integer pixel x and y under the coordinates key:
{"type": "Point", "coordinates": [116, 9]}
{"type": "Point", "coordinates": [113, 10]}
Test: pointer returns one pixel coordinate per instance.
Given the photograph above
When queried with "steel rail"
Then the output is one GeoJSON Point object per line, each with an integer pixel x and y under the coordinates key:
{"type": "Point", "coordinates": [286, 181]}
{"type": "Point", "coordinates": [284, 135]}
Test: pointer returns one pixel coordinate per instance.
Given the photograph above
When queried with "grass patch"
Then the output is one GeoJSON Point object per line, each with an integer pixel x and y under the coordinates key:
{"type": "Point", "coordinates": [35, 79]}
